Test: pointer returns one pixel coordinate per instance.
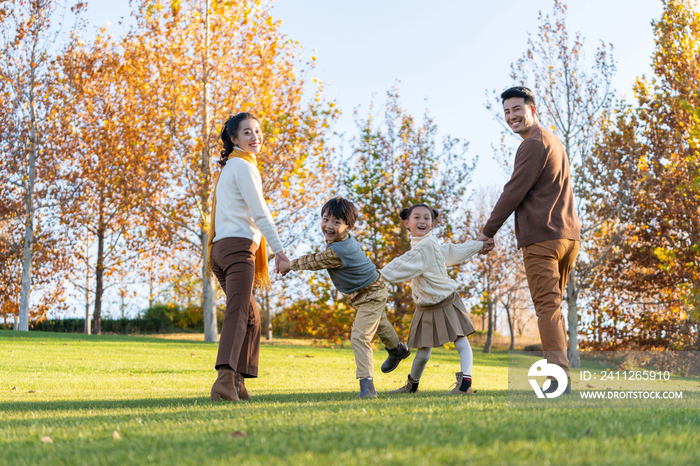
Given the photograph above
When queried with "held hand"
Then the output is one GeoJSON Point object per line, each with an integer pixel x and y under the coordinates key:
{"type": "Point", "coordinates": [280, 257]}
{"type": "Point", "coordinates": [285, 267]}
{"type": "Point", "coordinates": [489, 243]}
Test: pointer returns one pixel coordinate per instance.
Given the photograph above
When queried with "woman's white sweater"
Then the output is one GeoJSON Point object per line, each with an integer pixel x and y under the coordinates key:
{"type": "Point", "coordinates": [425, 265]}
{"type": "Point", "coordinates": [241, 210]}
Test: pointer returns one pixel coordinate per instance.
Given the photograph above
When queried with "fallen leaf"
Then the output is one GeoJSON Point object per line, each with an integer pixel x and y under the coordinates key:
{"type": "Point", "coordinates": [238, 433]}
{"type": "Point", "coordinates": [33, 391]}
{"type": "Point", "coordinates": [192, 354]}
{"type": "Point", "coordinates": [116, 436]}
{"type": "Point", "coordinates": [310, 356]}
{"type": "Point", "coordinates": [589, 385]}
{"type": "Point", "coordinates": [46, 440]}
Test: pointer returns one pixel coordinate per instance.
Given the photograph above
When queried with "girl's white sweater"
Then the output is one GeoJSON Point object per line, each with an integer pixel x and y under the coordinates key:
{"type": "Point", "coordinates": [241, 210]}
{"type": "Point", "coordinates": [425, 265]}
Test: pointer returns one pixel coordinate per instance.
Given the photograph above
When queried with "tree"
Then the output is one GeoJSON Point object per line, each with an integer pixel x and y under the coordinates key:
{"type": "Point", "coordinates": [213, 59]}
{"type": "Point", "coordinates": [657, 264]}
{"type": "Point", "coordinates": [574, 102]}
{"type": "Point", "coordinates": [27, 90]}
{"type": "Point", "coordinates": [397, 164]}
{"type": "Point", "coordinates": [498, 278]}
{"type": "Point", "coordinates": [112, 164]}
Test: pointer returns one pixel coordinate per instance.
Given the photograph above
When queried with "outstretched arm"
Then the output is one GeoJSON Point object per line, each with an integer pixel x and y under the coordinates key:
{"type": "Point", "coordinates": [405, 267]}
{"type": "Point", "coordinates": [327, 259]}
{"type": "Point", "coordinates": [458, 253]}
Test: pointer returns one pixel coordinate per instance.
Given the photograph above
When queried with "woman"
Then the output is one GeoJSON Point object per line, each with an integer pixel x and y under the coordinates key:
{"type": "Point", "coordinates": [237, 253]}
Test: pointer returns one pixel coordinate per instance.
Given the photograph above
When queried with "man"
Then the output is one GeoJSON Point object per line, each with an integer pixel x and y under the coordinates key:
{"type": "Point", "coordinates": [546, 225]}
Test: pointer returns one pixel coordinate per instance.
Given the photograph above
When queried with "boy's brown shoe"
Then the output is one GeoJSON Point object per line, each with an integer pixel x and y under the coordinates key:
{"type": "Point", "coordinates": [456, 390]}
{"type": "Point", "coordinates": [225, 388]}
{"type": "Point", "coordinates": [242, 391]}
{"type": "Point", "coordinates": [408, 388]}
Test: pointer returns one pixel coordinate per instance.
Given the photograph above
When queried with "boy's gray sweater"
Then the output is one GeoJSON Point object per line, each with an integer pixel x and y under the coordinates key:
{"type": "Point", "coordinates": [357, 271]}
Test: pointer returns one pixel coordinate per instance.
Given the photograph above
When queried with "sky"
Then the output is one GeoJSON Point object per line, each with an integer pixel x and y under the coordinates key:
{"type": "Point", "coordinates": [446, 54]}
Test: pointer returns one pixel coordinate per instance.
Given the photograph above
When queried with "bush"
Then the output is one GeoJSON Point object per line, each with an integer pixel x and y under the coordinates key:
{"type": "Point", "coordinates": [159, 318]}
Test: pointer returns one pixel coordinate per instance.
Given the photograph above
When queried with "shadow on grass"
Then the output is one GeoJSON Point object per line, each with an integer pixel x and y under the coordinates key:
{"type": "Point", "coordinates": [257, 401]}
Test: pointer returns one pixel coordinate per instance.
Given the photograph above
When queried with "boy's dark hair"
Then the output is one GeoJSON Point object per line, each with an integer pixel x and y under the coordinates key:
{"type": "Point", "coordinates": [407, 212]}
{"type": "Point", "coordinates": [341, 208]}
{"type": "Point", "coordinates": [519, 91]}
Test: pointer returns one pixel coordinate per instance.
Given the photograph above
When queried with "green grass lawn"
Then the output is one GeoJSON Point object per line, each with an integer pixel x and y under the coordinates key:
{"type": "Point", "coordinates": [78, 390]}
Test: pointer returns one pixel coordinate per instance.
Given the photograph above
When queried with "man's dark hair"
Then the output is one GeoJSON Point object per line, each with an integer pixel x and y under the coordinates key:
{"type": "Point", "coordinates": [519, 91]}
{"type": "Point", "coordinates": [342, 209]}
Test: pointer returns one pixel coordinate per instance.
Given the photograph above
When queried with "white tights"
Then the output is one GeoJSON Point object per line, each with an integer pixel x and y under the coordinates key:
{"type": "Point", "coordinates": [466, 359]}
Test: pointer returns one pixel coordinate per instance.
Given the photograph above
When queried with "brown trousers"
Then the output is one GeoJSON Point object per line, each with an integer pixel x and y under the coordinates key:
{"type": "Point", "coordinates": [547, 267]}
{"type": "Point", "coordinates": [233, 261]}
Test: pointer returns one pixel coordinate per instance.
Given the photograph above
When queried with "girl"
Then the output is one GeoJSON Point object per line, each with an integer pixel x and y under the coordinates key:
{"type": "Point", "coordinates": [440, 315]}
{"type": "Point", "coordinates": [237, 253]}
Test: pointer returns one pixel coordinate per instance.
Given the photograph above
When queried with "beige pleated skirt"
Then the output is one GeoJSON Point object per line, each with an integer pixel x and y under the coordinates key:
{"type": "Point", "coordinates": [440, 323]}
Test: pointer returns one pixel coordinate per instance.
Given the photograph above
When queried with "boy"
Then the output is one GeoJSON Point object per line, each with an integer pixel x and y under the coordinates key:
{"type": "Point", "coordinates": [354, 275]}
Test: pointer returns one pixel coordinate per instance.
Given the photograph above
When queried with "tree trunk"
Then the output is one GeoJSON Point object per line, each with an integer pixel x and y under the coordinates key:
{"type": "Point", "coordinates": [99, 280]}
{"type": "Point", "coordinates": [26, 286]}
{"type": "Point", "coordinates": [23, 317]}
{"type": "Point", "coordinates": [268, 312]}
{"type": "Point", "coordinates": [510, 327]}
{"type": "Point", "coordinates": [489, 335]}
{"type": "Point", "coordinates": [208, 290]}
{"type": "Point", "coordinates": [211, 332]}
{"type": "Point", "coordinates": [87, 318]}
{"type": "Point", "coordinates": [571, 298]}
{"type": "Point", "coordinates": [87, 296]}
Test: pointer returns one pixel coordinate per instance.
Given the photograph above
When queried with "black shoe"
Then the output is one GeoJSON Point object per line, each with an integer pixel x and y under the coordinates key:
{"type": "Point", "coordinates": [554, 385]}
{"type": "Point", "coordinates": [395, 356]}
{"type": "Point", "coordinates": [367, 389]}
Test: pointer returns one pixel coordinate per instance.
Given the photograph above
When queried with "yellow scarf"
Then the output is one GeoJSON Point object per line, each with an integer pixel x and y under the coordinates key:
{"type": "Point", "coordinates": [262, 276]}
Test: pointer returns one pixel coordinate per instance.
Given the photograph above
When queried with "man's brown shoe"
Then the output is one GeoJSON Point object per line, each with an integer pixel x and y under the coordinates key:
{"type": "Point", "coordinates": [456, 390]}
{"type": "Point", "coordinates": [408, 388]}
{"type": "Point", "coordinates": [242, 391]}
{"type": "Point", "coordinates": [224, 388]}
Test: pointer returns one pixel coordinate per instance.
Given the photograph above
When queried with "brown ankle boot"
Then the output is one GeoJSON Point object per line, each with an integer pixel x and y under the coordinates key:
{"type": "Point", "coordinates": [224, 387]}
{"type": "Point", "coordinates": [456, 391]}
{"type": "Point", "coordinates": [242, 391]}
{"type": "Point", "coordinates": [408, 388]}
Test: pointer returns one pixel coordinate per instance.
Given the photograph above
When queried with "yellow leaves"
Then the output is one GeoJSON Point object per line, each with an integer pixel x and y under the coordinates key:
{"type": "Point", "coordinates": [643, 164]}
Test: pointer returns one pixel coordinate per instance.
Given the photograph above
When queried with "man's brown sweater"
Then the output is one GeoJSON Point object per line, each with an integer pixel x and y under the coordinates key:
{"type": "Point", "coordinates": [540, 193]}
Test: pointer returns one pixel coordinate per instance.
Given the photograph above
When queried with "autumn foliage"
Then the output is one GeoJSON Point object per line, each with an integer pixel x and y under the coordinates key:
{"type": "Point", "coordinates": [109, 147]}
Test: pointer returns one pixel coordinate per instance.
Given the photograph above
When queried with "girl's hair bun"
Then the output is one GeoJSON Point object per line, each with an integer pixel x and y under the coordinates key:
{"type": "Point", "coordinates": [405, 213]}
